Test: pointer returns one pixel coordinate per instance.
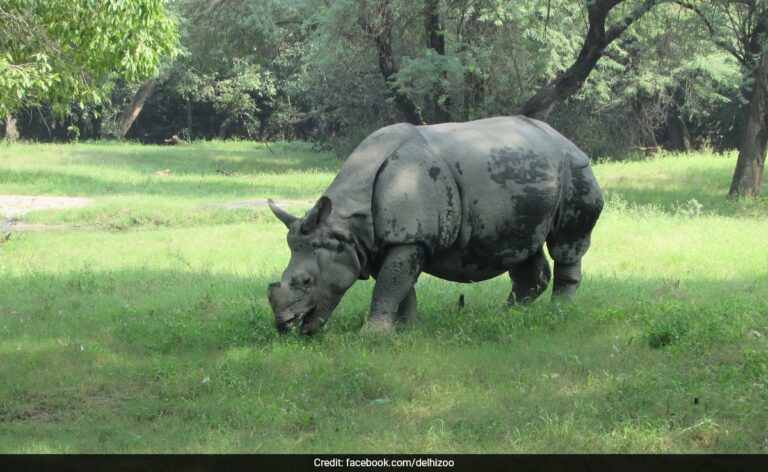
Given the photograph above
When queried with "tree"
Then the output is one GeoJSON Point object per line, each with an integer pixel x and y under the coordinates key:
{"type": "Point", "coordinates": [741, 29]}
{"type": "Point", "coordinates": [439, 101]}
{"type": "Point", "coordinates": [754, 136]}
{"type": "Point", "coordinates": [11, 133]}
{"type": "Point", "coordinates": [597, 39]}
{"type": "Point", "coordinates": [231, 46]}
{"type": "Point", "coordinates": [659, 84]}
{"type": "Point", "coordinates": [378, 24]}
{"type": "Point", "coordinates": [334, 70]}
{"type": "Point", "coordinates": [125, 118]}
{"type": "Point", "coordinates": [63, 51]}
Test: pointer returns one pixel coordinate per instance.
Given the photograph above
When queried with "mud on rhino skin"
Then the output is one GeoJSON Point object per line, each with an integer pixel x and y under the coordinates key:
{"type": "Point", "coordinates": [461, 201]}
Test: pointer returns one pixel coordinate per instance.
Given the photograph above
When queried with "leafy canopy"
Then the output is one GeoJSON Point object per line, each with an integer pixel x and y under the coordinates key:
{"type": "Point", "coordinates": [59, 51]}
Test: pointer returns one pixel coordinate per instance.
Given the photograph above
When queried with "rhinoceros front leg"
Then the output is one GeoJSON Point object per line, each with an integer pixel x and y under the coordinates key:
{"type": "Point", "coordinates": [407, 310]}
{"type": "Point", "coordinates": [394, 298]}
{"type": "Point", "coordinates": [530, 279]}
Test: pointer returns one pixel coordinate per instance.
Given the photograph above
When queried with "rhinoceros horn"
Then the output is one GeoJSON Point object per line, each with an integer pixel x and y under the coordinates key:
{"type": "Point", "coordinates": [281, 214]}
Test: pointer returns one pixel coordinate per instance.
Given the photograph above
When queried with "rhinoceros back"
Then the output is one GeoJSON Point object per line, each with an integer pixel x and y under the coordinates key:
{"type": "Point", "coordinates": [481, 137]}
{"type": "Point", "coordinates": [352, 190]}
{"type": "Point", "coordinates": [511, 175]}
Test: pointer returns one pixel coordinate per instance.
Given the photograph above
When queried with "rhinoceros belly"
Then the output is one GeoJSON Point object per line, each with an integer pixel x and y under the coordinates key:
{"type": "Point", "coordinates": [484, 259]}
{"type": "Point", "coordinates": [498, 232]}
{"type": "Point", "coordinates": [450, 266]}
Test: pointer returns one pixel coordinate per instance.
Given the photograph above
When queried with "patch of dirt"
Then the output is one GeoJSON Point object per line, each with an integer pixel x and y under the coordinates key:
{"type": "Point", "coordinates": [19, 226]}
{"type": "Point", "coordinates": [262, 203]}
{"type": "Point", "coordinates": [14, 206]}
{"type": "Point", "coordinates": [61, 405]}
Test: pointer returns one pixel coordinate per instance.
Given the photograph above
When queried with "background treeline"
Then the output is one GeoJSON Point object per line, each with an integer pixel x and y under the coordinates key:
{"type": "Point", "coordinates": [334, 70]}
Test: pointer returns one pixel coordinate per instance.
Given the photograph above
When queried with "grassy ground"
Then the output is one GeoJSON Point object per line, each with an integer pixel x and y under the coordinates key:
{"type": "Point", "coordinates": [160, 339]}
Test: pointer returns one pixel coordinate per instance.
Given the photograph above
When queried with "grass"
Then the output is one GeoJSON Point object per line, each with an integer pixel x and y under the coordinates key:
{"type": "Point", "coordinates": [160, 339]}
{"type": "Point", "coordinates": [129, 193]}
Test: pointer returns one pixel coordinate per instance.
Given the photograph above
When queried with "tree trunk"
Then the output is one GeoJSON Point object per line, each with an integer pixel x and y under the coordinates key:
{"type": "Point", "coordinates": [11, 132]}
{"type": "Point", "coordinates": [189, 119]}
{"type": "Point", "coordinates": [436, 42]}
{"type": "Point", "coordinates": [125, 119]}
{"type": "Point", "coordinates": [679, 137]}
{"type": "Point", "coordinates": [382, 37]}
{"type": "Point", "coordinates": [678, 134]}
{"type": "Point", "coordinates": [474, 93]}
{"type": "Point", "coordinates": [263, 123]}
{"type": "Point", "coordinates": [224, 128]}
{"type": "Point", "coordinates": [754, 137]}
{"type": "Point", "coordinates": [474, 84]}
{"type": "Point", "coordinates": [570, 81]}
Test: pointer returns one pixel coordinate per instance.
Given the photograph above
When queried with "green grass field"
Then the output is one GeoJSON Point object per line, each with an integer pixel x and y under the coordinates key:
{"type": "Point", "coordinates": [148, 330]}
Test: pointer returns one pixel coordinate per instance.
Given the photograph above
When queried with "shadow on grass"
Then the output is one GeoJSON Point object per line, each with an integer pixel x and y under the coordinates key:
{"type": "Point", "coordinates": [163, 351]}
{"type": "Point", "coordinates": [709, 187]}
{"type": "Point", "coordinates": [675, 193]}
{"type": "Point", "coordinates": [164, 311]}
{"type": "Point", "coordinates": [76, 184]}
{"type": "Point", "coordinates": [193, 160]}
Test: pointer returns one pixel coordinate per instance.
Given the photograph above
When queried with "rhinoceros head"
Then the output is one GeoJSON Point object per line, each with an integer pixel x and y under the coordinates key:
{"type": "Point", "coordinates": [324, 264]}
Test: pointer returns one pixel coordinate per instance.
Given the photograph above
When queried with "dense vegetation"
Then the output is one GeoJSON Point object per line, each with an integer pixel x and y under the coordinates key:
{"type": "Point", "coordinates": [148, 330]}
{"type": "Point", "coordinates": [613, 75]}
{"type": "Point", "coordinates": [65, 53]}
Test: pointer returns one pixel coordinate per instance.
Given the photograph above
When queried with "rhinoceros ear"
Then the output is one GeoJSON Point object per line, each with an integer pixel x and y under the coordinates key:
{"type": "Point", "coordinates": [317, 215]}
{"type": "Point", "coordinates": [281, 214]}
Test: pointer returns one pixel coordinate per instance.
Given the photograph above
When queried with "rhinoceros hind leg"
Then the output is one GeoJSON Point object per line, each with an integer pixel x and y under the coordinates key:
{"type": "Point", "coordinates": [570, 239]}
{"type": "Point", "coordinates": [530, 279]}
{"type": "Point", "coordinates": [567, 259]}
{"type": "Point", "coordinates": [393, 294]}
{"type": "Point", "coordinates": [567, 280]}
{"type": "Point", "coordinates": [567, 246]}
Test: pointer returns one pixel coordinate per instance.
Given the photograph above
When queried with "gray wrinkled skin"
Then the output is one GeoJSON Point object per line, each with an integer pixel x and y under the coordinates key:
{"type": "Point", "coordinates": [461, 201]}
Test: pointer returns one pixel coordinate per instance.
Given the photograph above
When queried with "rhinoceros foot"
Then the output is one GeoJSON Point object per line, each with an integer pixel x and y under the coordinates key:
{"type": "Point", "coordinates": [378, 326]}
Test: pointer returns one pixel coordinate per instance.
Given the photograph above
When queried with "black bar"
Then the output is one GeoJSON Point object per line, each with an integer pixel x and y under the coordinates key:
{"type": "Point", "coordinates": [337, 462]}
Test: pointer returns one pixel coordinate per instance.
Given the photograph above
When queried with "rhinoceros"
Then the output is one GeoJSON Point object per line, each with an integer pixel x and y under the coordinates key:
{"type": "Point", "coordinates": [460, 201]}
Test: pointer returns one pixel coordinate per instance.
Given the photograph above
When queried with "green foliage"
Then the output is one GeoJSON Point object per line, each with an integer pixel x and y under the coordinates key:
{"type": "Point", "coordinates": [283, 69]}
{"type": "Point", "coordinates": [428, 74]}
{"type": "Point", "coordinates": [661, 69]}
{"type": "Point", "coordinates": [60, 51]}
{"type": "Point", "coordinates": [498, 54]}
{"type": "Point", "coordinates": [756, 365]}
{"type": "Point", "coordinates": [240, 94]}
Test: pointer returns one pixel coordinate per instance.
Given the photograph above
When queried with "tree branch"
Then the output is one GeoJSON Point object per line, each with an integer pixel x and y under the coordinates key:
{"type": "Point", "coordinates": [712, 32]}
{"type": "Point", "coordinates": [382, 38]}
{"type": "Point", "coordinates": [597, 39]}
{"type": "Point", "coordinates": [638, 12]}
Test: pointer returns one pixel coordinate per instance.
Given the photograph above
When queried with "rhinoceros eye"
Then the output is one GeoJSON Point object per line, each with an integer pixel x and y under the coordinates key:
{"type": "Point", "coordinates": [327, 243]}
